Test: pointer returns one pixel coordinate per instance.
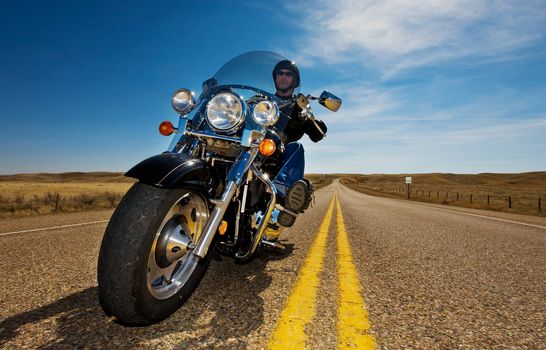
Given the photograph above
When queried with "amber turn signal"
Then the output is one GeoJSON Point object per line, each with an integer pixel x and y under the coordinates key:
{"type": "Point", "coordinates": [267, 147]}
{"type": "Point", "coordinates": [166, 128]}
{"type": "Point", "coordinates": [222, 228]}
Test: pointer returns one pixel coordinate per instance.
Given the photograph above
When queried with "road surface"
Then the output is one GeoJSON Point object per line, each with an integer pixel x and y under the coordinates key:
{"type": "Point", "coordinates": [357, 270]}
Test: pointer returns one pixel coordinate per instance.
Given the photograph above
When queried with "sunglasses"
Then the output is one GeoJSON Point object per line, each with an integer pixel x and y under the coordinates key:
{"type": "Point", "coordinates": [285, 73]}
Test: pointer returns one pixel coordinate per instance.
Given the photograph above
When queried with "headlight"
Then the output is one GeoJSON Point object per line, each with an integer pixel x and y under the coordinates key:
{"type": "Point", "coordinates": [183, 101]}
{"type": "Point", "coordinates": [225, 111]}
{"type": "Point", "coordinates": [265, 113]}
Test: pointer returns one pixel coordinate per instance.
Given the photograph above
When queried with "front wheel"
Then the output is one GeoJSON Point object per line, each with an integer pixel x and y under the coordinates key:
{"type": "Point", "coordinates": [145, 270]}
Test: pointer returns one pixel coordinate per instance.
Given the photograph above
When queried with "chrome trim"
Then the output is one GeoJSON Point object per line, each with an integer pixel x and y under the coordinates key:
{"type": "Point", "coordinates": [235, 175]}
{"type": "Point", "coordinates": [182, 125]}
{"type": "Point", "coordinates": [215, 218]}
{"type": "Point", "coordinates": [271, 206]}
{"type": "Point", "coordinates": [237, 221]}
{"type": "Point", "coordinates": [272, 244]}
{"type": "Point", "coordinates": [251, 137]}
{"type": "Point", "coordinates": [213, 136]}
{"type": "Point", "coordinates": [281, 208]}
{"type": "Point", "coordinates": [245, 191]}
{"type": "Point", "coordinates": [236, 233]}
{"type": "Point", "coordinates": [241, 165]}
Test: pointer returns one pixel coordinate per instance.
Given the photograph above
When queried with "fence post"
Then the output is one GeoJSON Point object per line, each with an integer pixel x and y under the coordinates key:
{"type": "Point", "coordinates": [57, 202]}
{"type": "Point", "coordinates": [510, 202]}
{"type": "Point", "coordinates": [487, 200]}
{"type": "Point", "coordinates": [457, 196]}
{"type": "Point", "coordinates": [539, 206]}
{"type": "Point", "coordinates": [471, 198]}
{"type": "Point", "coordinates": [428, 194]}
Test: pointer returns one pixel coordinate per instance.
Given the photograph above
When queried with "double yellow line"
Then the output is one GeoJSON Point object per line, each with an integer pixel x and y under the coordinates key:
{"type": "Point", "coordinates": [352, 318]}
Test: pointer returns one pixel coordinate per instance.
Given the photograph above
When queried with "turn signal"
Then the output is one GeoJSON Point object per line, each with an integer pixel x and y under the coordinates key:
{"type": "Point", "coordinates": [166, 128]}
{"type": "Point", "coordinates": [222, 228]}
{"type": "Point", "coordinates": [267, 147]}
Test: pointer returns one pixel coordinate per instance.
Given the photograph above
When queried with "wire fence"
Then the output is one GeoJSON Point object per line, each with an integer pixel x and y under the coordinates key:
{"type": "Point", "coordinates": [517, 200]}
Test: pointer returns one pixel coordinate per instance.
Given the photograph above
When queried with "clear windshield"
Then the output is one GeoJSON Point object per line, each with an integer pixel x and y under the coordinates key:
{"type": "Point", "coordinates": [250, 70]}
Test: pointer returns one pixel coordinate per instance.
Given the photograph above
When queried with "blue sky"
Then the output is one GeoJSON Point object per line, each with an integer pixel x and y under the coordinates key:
{"type": "Point", "coordinates": [428, 86]}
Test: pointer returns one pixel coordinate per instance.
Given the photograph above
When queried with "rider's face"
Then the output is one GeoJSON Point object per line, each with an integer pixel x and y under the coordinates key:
{"type": "Point", "coordinates": [283, 79]}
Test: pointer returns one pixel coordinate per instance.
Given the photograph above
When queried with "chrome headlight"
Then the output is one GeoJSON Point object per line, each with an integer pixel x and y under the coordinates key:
{"type": "Point", "coordinates": [225, 111]}
{"type": "Point", "coordinates": [265, 113]}
{"type": "Point", "coordinates": [183, 101]}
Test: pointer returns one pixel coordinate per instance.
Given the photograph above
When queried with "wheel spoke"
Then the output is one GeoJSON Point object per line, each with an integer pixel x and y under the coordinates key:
{"type": "Point", "coordinates": [154, 274]}
{"type": "Point", "coordinates": [168, 272]}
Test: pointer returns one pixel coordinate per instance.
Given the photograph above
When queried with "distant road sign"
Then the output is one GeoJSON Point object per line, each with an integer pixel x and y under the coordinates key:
{"type": "Point", "coordinates": [408, 179]}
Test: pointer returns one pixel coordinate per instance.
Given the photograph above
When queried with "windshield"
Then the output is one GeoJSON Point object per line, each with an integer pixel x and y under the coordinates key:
{"type": "Point", "coordinates": [250, 70]}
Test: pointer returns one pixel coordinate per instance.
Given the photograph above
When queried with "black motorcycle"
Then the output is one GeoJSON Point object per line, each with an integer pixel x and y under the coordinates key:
{"type": "Point", "coordinates": [210, 193]}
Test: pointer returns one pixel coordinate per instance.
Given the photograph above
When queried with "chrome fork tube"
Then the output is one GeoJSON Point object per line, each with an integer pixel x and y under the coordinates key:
{"type": "Point", "coordinates": [234, 179]}
{"type": "Point", "coordinates": [265, 221]}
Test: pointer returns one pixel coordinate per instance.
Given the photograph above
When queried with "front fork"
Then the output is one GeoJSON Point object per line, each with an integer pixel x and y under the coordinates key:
{"type": "Point", "coordinates": [233, 181]}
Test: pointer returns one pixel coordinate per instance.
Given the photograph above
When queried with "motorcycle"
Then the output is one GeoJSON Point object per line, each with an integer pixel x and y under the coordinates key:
{"type": "Point", "coordinates": [210, 193]}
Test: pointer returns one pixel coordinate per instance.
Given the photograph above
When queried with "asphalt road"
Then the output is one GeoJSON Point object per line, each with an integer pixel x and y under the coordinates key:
{"type": "Point", "coordinates": [410, 275]}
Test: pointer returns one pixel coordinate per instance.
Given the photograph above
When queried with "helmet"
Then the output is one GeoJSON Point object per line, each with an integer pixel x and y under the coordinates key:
{"type": "Point", "coordinates": [291, 66]}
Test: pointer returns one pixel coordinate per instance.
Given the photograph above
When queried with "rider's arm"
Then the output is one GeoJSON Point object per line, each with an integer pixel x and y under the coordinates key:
{"type": "Point", "coordinates": [316, 129]}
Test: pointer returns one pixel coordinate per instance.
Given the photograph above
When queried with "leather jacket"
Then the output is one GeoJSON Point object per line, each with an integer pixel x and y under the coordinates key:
{"type": "Point", "coordinates": [292, 126]}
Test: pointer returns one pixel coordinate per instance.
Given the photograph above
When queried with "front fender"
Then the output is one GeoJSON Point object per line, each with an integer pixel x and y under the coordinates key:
{"type": "Point", "coordinates": [171, 170]}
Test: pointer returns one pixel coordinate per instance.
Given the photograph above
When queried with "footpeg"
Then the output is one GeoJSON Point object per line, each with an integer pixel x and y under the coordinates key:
{"type": "Point", "coordinates": [286, 219]}
{"type": "Point", "coordinates": [276, 245]}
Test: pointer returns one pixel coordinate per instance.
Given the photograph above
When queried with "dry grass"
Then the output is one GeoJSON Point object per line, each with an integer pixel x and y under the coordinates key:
{"type": "Point", "coordinates": [483, 191]}
{"type": "Point", "coordinates": [34, 194]}
{"type": "Point", "coordinates": [321, 180]}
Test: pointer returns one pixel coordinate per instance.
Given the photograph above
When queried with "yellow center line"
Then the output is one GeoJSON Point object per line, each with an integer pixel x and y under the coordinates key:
{"type": "Point", "coordinates": [353, 325]}
{"type": "Point", "coordinates": [300, 306]}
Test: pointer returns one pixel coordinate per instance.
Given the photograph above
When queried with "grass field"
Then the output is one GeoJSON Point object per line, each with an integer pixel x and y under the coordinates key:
{"type": "Point", "coordinates": [321, 180]}
{"type": "Point", "coordinates": [523, 193]}
{"type": "Point", "coordinates": [35, 194]}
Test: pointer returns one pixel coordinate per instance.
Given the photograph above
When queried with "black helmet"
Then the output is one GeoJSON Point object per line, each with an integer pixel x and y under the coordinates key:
{"type": "Point", "coordinates": [291, 66]}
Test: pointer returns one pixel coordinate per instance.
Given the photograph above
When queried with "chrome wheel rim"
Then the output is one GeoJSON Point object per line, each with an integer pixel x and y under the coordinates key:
{"type": "Point", "coordinates": [170, 262]}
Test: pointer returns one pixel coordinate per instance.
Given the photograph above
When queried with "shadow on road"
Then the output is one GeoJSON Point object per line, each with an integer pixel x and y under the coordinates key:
{"type": "Point", "coordinates": [224, 309]}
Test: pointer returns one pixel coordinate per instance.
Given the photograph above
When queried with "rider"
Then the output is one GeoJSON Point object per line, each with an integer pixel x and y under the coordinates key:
{"type": "Point", "coordinates": [293, 188]}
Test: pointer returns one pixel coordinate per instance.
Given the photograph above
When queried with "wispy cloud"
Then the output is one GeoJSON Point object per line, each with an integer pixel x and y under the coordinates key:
{"type": "Point", "coordinates": [398, 35]}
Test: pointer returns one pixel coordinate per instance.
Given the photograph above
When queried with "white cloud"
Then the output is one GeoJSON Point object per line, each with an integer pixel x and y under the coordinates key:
{"type": "Point", "coordinates": [396, 35]}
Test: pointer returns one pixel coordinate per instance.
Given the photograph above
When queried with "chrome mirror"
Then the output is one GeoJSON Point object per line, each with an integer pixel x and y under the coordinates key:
{"type": "Point", "coordinates": [330, 101]}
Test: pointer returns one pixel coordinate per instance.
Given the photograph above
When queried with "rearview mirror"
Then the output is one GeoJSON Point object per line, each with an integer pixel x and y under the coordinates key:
{"type": "Point", "coordinates": [330, 101]}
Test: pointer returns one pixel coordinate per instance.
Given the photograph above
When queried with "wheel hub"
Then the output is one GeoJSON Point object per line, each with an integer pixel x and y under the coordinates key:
{"type": "Point", "coordinates": [170, 264]}
{"type": "Point", "coordinates": [172, 243]}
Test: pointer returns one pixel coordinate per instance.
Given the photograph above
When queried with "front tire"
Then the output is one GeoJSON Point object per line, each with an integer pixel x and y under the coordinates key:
{"type": "Point", "coordinates": [144, 271]}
